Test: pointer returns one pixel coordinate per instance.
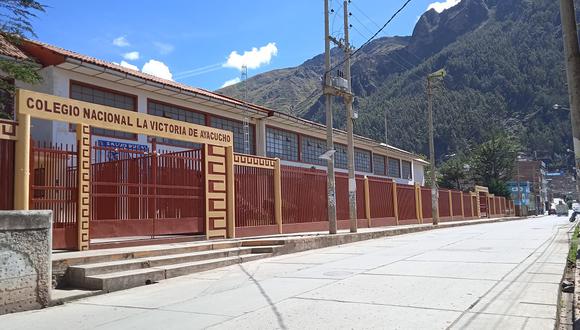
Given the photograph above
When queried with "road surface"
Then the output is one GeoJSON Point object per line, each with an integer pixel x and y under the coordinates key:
{"type": "Point", "coordinates": [492, 276]}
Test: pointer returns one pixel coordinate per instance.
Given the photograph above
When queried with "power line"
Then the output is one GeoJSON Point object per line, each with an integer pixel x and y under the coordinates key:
{"type": "Point", "coordinates": [372, 37]}
{"type": "Point", "coordinates": [365, 15]}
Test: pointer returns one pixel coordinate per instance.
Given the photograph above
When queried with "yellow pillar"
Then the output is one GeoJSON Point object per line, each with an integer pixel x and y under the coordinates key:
{"type": "Point", "coordinates": [418, 203]}
{"type": "Point", "coordinates": [278, 195]}
{"type": "Point", "coordinates": [22, 162]}
{"type": "Point", "coordinates": [367, 200]}
{"type": "Point", "coordinates": [395, 204]}
{"type": "Point", "coordinates": [450, 204]}
{"type": "Point", "coordinates": [230, 194]}
{"type": "Point", "coordinates": [462, 206]}
{"type": "Point", "coordinates": [83, 179]}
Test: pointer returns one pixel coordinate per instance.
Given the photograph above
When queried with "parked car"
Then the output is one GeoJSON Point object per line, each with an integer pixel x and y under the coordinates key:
{"type": "Point", "coordinates": [551, 211]}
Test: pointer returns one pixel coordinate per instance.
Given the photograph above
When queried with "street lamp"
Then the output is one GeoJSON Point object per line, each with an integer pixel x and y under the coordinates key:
{"type": "Point", "coordinates": [560, 107]}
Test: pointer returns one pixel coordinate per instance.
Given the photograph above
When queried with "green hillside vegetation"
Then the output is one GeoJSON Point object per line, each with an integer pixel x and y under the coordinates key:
{"type": "Point", "coordinates": [505, 68]}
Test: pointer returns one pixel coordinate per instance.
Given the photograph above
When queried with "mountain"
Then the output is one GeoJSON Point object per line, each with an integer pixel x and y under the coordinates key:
{"type": "Point", "coordinates": [505, 70]}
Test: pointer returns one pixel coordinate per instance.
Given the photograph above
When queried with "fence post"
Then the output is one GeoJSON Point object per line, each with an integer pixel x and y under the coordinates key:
{"type": "Point", "coordinates": [83, 185]}
{"type": "Point", "coordinates": [395, 204]}
{"type": "Point", "coordinates": [462, 206]}
{"type": "Point", "coordinates": [418, 203]}
{"type": "Point", "coordinates": [367, 201]}
{"type": "Point", "coordinates": [473, 211]}
{"type": "Point", "coordinates": [22, 162]}
{"type": "Point", "coordinates": [230, 194]}
{"type": "Point", "coordinates": [278, 195]}
{"type": "Point", "coordinates": [450, 203]}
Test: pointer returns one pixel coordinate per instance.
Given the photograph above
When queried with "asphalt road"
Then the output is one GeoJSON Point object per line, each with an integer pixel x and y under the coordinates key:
{"type": "Point", "coordinates": [491, 276]}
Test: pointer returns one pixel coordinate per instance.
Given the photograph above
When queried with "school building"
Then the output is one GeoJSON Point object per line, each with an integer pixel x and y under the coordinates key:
{"type": "Point", "coordinates": [244, 170]}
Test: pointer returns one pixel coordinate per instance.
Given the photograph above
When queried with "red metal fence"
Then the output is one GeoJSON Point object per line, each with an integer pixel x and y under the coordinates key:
{"type": "Point", "coordinates": [456, 202]}
{"type": "Point", "coordinates": [406, 203]}
{"type": "Point", "coordinates": [444, 210]}
{"type": "Point", "coordinates": [342, 208]}
{"type": "Point", "coordinates": [467, 209]}
{"type": "Point", "coordinates": [381, 200]}
{"type": "Point", "coordinates": [53, 186]}
{"type": "Point", "coordinates": [304, 196]}
{"type": "Point", "coordinates": [254, 196]}
{"type": "Point", "coordinates": [6, 174]}
{"type": "Point", "coordinates": [139, 194]}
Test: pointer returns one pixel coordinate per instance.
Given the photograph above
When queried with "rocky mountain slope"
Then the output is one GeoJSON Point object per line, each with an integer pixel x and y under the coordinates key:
{"type": "Point", "coordinates": [505, 69]}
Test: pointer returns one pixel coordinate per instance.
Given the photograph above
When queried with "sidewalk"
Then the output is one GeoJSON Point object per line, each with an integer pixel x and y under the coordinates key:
{"type": "Point", "coordinates": [502, 275]}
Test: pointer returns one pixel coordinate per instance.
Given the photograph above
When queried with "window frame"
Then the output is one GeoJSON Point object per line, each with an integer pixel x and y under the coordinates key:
{"type": "Point", "coordinates": [252, 126]}
{"type": "Point", "coordinates": [389, 167]}
{"type": "Point", "coordinates": [370, 154]}
{"type": "Point", "coordinates": [72, 127]}
{"type": "Point", "coordinates": [384, 167]}
{"type": "Point", "coordinates": [410, 169]}
{"type": "Point", "coordinates": [152, 100]}
{"type": "Point", "coordinates": [298, 141]}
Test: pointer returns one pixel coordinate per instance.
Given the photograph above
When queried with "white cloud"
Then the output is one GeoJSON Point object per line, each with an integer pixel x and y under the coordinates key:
{"type": "Point", "coordinates": [158, 69]}
{"type": "Point", "coordinates": [253, 59]}
{"type": "Point", "coordinates": [131, 56]}
{"type": "Point", "coordinates": [441, 6]}
{"type": "Point", "coordinates": [231, 82]}
{"type": "Point", "coordinates": [129, 66]}
{"type": "Point", "coordinates": [121, 42]}
{"type": "Point", "coordinates": [163, 48]}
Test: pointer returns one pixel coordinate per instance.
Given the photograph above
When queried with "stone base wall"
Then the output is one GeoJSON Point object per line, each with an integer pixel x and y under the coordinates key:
{"type": "Point", "coordinates": [25, 260]}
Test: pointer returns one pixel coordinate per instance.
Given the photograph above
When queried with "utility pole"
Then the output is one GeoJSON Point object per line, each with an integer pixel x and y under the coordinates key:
{"type": "Point", "coordinates": [348, 98]}
{"type": "Point", "coordinates": [570, 37]}
{"type": "Point", "coordinates": [386, 129]}
{"type": "Point", "coordinates": [330, 184]}
{"type": "Point", "coordinates": [434, 191]}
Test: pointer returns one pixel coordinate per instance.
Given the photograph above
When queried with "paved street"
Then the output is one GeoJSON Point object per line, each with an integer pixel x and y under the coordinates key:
{"type": "Point", "coordinates": [491, 276]}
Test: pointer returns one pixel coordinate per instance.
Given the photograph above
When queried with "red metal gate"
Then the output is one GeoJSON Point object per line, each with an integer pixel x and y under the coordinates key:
{"type": "Point", "coordinates": [483, 205]}
{"type": "Point", "coordinates": [6, 174]}
{"type": "Point", "coordinates": [53, 186]}
{"type": "Point", "coordinates": [136, 193]}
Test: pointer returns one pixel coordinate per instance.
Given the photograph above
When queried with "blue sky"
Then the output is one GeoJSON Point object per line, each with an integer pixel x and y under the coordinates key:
{"type": "Point", "coordinates": [192, 41]}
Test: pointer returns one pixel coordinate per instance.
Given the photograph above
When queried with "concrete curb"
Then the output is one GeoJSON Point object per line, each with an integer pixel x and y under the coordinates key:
{"type": "Point", "coordinates": [301, 243]}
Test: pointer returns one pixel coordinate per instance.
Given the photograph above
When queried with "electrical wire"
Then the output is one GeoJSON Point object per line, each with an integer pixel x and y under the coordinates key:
{"type": "Point", "coordinates": [372, 37]}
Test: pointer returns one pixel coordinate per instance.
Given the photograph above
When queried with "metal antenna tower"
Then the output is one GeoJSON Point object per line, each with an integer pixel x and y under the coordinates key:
{"type": "Point", "coordinates": [246, 120]}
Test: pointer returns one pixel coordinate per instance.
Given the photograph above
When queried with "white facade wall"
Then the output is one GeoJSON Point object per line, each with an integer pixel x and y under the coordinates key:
{"type": "Point", "coordinates": [57, 82]}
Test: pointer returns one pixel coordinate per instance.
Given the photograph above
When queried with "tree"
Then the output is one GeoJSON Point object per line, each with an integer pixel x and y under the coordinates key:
{"type": "Point", "coordinates": [15, 25]}
{"type": "Point", "coordinates": [493, 162]}
{"type": "Point", "coordinates": [452, 173]}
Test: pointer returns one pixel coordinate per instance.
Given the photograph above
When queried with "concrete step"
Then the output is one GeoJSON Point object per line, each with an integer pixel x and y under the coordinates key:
{"type": "Point", "coordinates": [138, 277]}
{"type": "Point", "coordinates": [80, 271]}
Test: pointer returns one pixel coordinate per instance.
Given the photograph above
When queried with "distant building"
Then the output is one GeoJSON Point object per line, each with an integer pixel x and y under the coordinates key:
{"type": "Point", "coordinates": [561, 184]}
{"type": "Point", "coordinates": [533, 172]}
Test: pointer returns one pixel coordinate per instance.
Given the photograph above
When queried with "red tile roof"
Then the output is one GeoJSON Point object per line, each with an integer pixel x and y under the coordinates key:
{"type": "Point", "coordinates": [52, 55]}
{"type": "Point", "coordinates": [8, 49]}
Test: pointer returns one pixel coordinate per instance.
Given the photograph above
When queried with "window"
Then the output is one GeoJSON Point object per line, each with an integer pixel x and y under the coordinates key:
{"type": "Point", "coordinates": [102, 96]}
{"type": "Point", "coordinates": [236, 127]}
{"type": "Point", "coordinates": [173, 112]}
{"type": "Point", "coordinates": [340, 158]}
{"type": "Point", "coordinates": [394, 168]}
{"type": "Point", "coordinates": [406, 170]}
{"type": "Point", "coordinates": [312, 148]}
{"type": "Point", "coordinates": [362, 160]}
{"type": "Point", "coordinates": [281, 144]}
{"type": "Point", "coordinates": [379, 164]}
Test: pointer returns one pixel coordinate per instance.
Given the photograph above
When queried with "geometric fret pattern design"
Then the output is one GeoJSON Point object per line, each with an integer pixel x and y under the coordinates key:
{"type": "Point", "coordinates": [7, 130]}
{"type": "Point", "coordinates": [216, 191]}
{"type": "Point", "coordinates": [254, 161]}
{"type": "Point", "coordinates": [83, 168]}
